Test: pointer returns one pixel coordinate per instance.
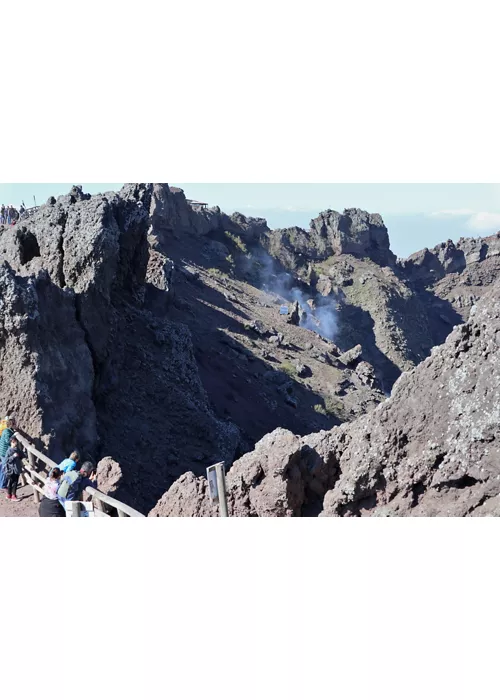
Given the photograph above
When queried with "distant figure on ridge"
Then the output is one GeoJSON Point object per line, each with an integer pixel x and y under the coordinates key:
{"type": "Point", "coordinates": [2, 214]}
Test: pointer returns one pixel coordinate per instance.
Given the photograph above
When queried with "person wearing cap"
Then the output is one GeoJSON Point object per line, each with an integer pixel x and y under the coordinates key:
{"type": "Point", "coordinates": [5, 439]}
{"type": "Point", "coordinates": [73, 483]}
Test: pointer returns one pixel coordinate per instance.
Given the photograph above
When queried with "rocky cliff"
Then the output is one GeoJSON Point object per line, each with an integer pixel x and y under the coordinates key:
{"type": "Point", "coordinates": [354, 232]}
{"type": "Point", "coordinates": [84, 362]}
{"type": "Point", "coordinates": [456, 275]}
{"type": "Point", "coordinates": [159, 337]}
{"type": "Point", "coordinates": [432, 448]}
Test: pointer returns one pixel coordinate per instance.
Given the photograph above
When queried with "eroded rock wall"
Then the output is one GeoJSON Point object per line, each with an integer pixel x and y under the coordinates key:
{"type": "Point", "coordinates": [432, 448]}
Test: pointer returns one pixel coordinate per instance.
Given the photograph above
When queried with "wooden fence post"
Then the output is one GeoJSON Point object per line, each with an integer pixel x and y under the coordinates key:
{"type": "Point", "coordinates": [32, 461]}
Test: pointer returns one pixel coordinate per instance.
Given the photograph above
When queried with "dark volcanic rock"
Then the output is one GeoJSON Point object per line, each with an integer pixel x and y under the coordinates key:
{"type": "Point", "coordinates": [433, 448]}
{"type": "Point", "coordinates": [249, 229]}
{"type": "Point", "coordinates": [83, 363]}
{"type": "Point", "coordinates": [46, 371]}
{"type": "Point", "coordinates": [350, 357]}
{"type": "Point", "coordinates": [452, 278]}
{"type": "Point", "coordinates": [294, 314]}
{"type": "Point", "coordinates": [355, 232]}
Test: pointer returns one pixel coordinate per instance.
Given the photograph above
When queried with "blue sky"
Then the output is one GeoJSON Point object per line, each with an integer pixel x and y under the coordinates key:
{"type": "Point", "coordinates": [417, 215]}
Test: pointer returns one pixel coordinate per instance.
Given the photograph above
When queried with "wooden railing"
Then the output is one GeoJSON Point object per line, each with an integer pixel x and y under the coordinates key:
{"type": "Point", "coordinates": [104, 506]}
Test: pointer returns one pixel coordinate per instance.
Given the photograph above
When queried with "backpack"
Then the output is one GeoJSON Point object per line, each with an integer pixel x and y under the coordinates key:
{"type": "Point", "coordinates": [68, 480]}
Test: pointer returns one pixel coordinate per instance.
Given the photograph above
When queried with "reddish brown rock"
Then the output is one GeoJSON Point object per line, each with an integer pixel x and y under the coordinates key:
{"type": "Point", "coordinates": [108, 475]}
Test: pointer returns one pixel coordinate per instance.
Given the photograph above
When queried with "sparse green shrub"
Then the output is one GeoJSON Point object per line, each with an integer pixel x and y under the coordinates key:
{"type": "Point", "coordinates": [236, 240]}
{"type": "Point", "coordinates": [333, 406]}
{"type": "Point", "coordinates": [289, 369]}
{"type": "Point", "coordinates": [215, 272]}
{"type": "Point", "coordinates": [330, 407]}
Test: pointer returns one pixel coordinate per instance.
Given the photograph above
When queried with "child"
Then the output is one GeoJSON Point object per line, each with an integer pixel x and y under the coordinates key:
{"type": "Point", "coordinates": [49, 505]}
{"type": "Point", "coordinates": [70, 464]}
{"type": "Point", "coordinates": [13, 467]}
{"type": "Point", "coordinates": [52, 484]}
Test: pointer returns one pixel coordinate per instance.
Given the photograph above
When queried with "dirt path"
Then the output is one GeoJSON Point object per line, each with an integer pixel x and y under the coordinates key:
{"type": "Point", "coordinates": [26, 508]}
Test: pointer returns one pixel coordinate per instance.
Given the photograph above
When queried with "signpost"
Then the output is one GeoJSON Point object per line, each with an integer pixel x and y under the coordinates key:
{"type": "Point", "coordinates": [216, 477]}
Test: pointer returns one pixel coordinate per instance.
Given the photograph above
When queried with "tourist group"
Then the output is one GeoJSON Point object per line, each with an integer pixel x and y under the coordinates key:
{"type": "Point", "coordinates": [66, 482]}
{"type": "Point", "coordinates": [9, 215]}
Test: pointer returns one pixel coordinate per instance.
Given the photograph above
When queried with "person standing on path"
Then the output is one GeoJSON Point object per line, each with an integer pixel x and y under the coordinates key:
{"type": "Point", "coordinates": [5, 438]}
{"type": "Point", "coordinates": [13, 466]}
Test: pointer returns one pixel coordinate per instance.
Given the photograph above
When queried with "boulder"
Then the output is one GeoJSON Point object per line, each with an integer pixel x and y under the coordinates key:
{"type": "Point", "coordinates": [302, 370]}
{"type": "Point", "coordinates": [294, 314]}
{"type": "Point", "coordinates": [366, 373]}
{"type": "Point", "coordinates": [108, 475]}
{"type": "Point", "coordinates": [350, 357]}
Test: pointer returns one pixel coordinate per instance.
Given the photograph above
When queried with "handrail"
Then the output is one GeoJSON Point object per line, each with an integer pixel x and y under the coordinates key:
{"type": "Point", "coordinates": [122, 509]}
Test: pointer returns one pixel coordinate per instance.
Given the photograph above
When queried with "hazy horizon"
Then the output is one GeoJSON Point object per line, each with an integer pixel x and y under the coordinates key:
{"type": "Point", "coordinates": [416, 215]}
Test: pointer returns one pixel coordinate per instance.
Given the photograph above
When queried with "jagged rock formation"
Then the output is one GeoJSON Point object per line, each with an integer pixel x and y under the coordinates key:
{"type": "Point", "coordinates": [83, 362]}
{"type": "Point", "coordinates": [355, 232]}
{"type": "Point", "coordinates": [456, 276]}
{"type": "Point", "coordinates": [346, 259]}
{"type": "Point", "coordinates": [137, 327]}
{"type": "Point", "coordinates": [46, 370]}
{"type": "Point", "coordinates": [247, 355]}
{"type": "Point", "coordinates": [397, 310]}
{"type": "Point", "coordinates": [429, 266]}
{"type": "Point", "coordinates": [433, 448]}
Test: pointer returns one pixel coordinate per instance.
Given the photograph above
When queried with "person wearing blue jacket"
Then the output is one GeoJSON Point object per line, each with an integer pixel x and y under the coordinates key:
{"type": "Point", "coordinates": [71, 463]}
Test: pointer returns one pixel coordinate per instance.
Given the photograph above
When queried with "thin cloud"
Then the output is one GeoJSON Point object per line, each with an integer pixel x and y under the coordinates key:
{"type": "Point", "coordinates": [451, 213]}
{"type": "Point", "coordinates": [484, 221]}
